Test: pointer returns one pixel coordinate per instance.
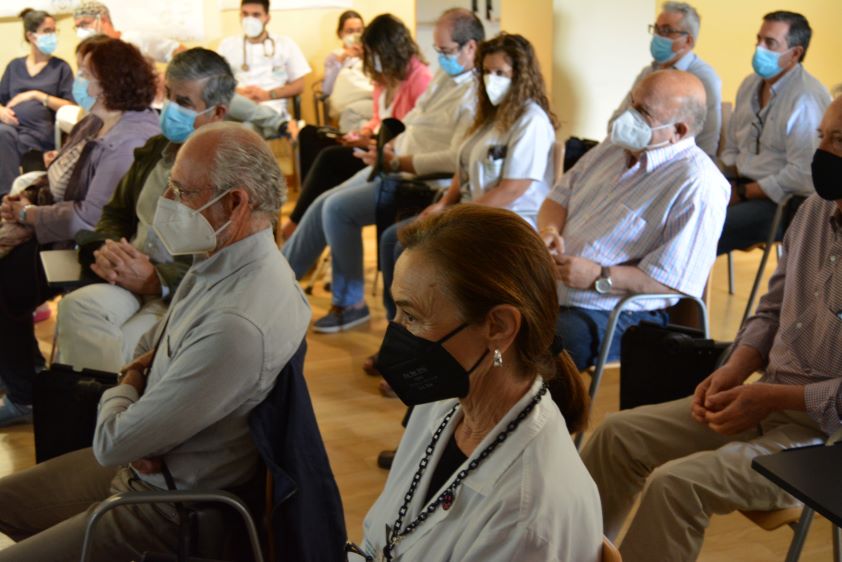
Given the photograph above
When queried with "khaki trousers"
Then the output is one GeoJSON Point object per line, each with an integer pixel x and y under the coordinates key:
{"type": "Point", "coordinates": [689, 471]}
{"type": "Point", "coordinates": [99, 326]}
{"type": "Point", "coordinates": [46, 508]}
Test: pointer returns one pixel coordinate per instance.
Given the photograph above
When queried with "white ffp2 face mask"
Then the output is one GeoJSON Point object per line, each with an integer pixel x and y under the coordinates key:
{"type": "Point", "coordinates": [497, 87]}
{"type": "Point", "coordinates": [631, 131]}
{"type": "Point", "coordinates": [252, 27]}
{"type": "Point", "coordinates": [183, 230]}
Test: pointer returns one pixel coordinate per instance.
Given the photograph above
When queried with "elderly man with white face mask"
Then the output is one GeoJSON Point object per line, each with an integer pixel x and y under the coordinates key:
{"type": "Point", "coordinates": [640, 213]}
{"type": "Point", "coordinates": [217, 352]}
{"type": "Point", "coordinates": [674, 37]}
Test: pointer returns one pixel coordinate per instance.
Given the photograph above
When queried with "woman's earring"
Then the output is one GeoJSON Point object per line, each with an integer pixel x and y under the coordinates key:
{"type": "Point", "coordinates": [498, 358]}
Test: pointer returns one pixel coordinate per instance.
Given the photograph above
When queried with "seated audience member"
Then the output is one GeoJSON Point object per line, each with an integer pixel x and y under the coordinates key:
{"type": "Point", "coordinates": [393, 61]}
{"type": "Point", "coordinates": [490, 473]}
{"type": "Point", "coordinates": [640, 213]}
{"type": "Point", "coordinates": [117, 85]}
{"type": "Point", "coordinates": [92, 18]}
{"type": "Point", "coordinates": [435, 129]}
{"type": "Point", "coordinates": [694, 455]}
{"type": "Point", "coordinates": [769, 142]}
{"type": "Point", "coordinates": [344, 81]}
{"type": "Point", "coordinates": [99, 325]}
{"type": "Point", "coordinates": [43, 186]}
{"type": "Point", "coordinates": [506, 159]}
{"type": "Point", "coordinates": [31, 90]}
{"type": "Point", "coordinates": [229, 178]}
{"type": "Point", "coordinates": [674, 37]}
{"type": "Point", "coordinates": [269, 68]}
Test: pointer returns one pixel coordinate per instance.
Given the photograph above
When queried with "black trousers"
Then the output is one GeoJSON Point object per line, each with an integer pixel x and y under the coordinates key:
{"type": "Point", "coordinates": [324, 165]}
{"type": "Point", "coordinates": [23, 286]}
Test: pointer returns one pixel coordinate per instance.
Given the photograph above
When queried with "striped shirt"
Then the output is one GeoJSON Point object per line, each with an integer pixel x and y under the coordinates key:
{"type": "Point", "coordinates": [798, 324]}
{"type": "Point", "coordinates": [664, 214]}
{"type": "Point", "coordinates": [774, 145]}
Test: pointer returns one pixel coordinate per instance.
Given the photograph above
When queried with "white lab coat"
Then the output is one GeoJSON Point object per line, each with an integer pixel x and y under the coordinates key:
{"type": "Point", "coordinates": [532, 499]}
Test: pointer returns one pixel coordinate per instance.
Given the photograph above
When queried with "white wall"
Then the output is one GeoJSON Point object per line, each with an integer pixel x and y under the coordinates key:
{"type": "Point", "coordinates": [599, 48]}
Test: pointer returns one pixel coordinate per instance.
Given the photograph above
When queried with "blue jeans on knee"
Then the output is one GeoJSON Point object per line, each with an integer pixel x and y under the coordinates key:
{"type": "Point", "coordinates": [583, 330]}
{"type": "Point", "coordinates": [390, 250]}
{"type": "Point", "coordinates": [336, 219]}
{"type": "Point", "coordinates": [746, 224]}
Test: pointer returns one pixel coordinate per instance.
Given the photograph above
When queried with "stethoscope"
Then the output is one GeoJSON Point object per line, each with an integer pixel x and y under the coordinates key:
{"type": "Point", "coordinates": [271, 55]}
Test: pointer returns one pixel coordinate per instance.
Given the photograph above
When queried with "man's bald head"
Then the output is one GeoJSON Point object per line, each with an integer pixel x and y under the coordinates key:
{"type": "Point", "coordinates": [673, 96]}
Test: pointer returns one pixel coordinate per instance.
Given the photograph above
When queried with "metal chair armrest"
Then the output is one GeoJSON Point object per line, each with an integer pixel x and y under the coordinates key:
{"type": "Point", "coordinates": [177, 496]}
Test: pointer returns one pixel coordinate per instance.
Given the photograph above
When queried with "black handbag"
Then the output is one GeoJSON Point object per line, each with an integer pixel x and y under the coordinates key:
{"type": "Point", "coordinates": [64, 408]}
{"type": "Point", "coordinates": [663, 363]}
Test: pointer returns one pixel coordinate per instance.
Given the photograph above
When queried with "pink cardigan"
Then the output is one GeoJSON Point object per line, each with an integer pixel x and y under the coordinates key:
{"type": "Point", "coordinates": [416, 82]}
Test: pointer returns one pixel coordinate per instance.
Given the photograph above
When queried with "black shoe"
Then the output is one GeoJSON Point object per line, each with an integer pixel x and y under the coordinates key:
{"type": "Point", "coordinates": [385, 458]}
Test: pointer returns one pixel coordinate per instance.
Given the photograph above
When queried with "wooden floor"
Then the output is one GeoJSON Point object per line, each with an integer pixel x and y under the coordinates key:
{"type": "Point", "coordinates": [357, 423]}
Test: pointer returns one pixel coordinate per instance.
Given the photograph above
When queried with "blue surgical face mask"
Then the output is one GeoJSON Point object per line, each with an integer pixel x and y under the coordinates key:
{"type": "Point", "coordinates": [450, 65]}
{"type": "Point", "coordinates": [80, 93]}
{"type": "Point", "coordinates": [766, 63]}
{"type": "Point", "coordinates": [46, 43]}
{"type": "Point", "coordinates": [661, 49]}
{"type": "Point", "coordinates": [178, 123]}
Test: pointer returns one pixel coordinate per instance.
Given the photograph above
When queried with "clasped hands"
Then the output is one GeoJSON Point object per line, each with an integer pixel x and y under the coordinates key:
{"type": "Point", "coordinates": [574, 271]}
{"type": "Point", "coordinates": [726, 405]}
{"type": "Point", "coordinates": [11, 207]}
{"type": "Point", "coordinates": [120, 263]}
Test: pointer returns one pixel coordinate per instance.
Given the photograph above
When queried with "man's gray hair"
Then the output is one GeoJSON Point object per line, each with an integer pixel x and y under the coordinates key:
{"type": "Point", "coordinates": [92, 9]}
{"type": "Point", "coordinates": [242, 159]}
{"type": "Point", "coordinates": [689, 17]}
{"type": "Point", "coordinates": [204, 64]}
{"type": "Point", "coordinates": [694, 113]}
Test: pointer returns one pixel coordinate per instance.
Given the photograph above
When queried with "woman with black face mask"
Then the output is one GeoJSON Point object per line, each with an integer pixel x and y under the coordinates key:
{"type": "Point", "coordinates": [486, 469]}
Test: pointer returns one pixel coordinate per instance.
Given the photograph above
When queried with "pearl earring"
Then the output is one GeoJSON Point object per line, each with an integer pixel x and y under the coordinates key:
{"type": "Point", "coordinates": [498, 358]}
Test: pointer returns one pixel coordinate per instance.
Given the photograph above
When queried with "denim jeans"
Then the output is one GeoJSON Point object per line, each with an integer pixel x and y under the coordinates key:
{"type": "Point", "coordinates": [583, 330]}
{"type": "Point", "coordinates": [746, 224]}
{"type": "Point", "coordinates": [336, 219]}
{"type": "Point", "coordinates": [390, 250]}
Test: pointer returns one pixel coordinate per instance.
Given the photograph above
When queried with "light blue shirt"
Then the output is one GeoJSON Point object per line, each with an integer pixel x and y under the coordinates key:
{"type": "Point", "coordinates": [708, 138]}
{"type": "Point", "coordinates": [664, 215]}
{"type": "Point", "coordinates": [779, 160]}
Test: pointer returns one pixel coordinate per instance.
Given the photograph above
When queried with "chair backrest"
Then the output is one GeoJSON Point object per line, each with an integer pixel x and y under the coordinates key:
{"type": "Point", "coordinates": [610, 552]}
{"type": "Point", "coordinates": [575, 148]}
{"type": "Point", "coordinates": [727, 110]}
{"type": "Point", "coordinates": [307, 518]}
{"type": "Point", "coordinates": [557, 162]}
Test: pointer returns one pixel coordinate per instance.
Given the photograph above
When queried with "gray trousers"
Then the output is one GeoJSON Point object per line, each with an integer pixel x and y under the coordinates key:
{"type": "Point", "coordinates": [687, 472]}
{"type": "Point", "coordinates": [45, 509]}
{"type": "Point", "coordinates": [263, 119]}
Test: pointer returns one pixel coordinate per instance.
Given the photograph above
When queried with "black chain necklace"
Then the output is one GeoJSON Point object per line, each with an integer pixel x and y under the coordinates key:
{"type": "Point", "coordinates": [445, 499]}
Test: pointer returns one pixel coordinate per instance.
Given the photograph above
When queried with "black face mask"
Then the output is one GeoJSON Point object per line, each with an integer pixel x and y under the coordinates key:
{"type": "Point", "coordinates": [827, 175]}
{"type": "Point", "coordinates": [419, 370]}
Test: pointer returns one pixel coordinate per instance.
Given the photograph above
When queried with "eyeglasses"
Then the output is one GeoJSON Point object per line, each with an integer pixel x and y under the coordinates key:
{"type": "Point", "coordinates": [665, 31]}
{"type": "Point", "coordinates": [448, 52]}
{"type": "Point", "coordinates": [180, 193]}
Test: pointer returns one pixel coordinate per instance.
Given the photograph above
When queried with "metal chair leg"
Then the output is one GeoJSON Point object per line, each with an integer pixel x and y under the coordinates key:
{"type": "Point", "coordinates": [837, 543]}
{"type": "Point", "coordinates": [730, 273]}
{"type": "Point", "coordinates": [801, 530]}
{"type": "Point", "coordinates": [317, 275]}
{"type": "Point", "coordinates": [374, 284]}
{"type": "Point", "coordinates": [611, 328]}
{"type": "Point", "coordinates": [770, 241]}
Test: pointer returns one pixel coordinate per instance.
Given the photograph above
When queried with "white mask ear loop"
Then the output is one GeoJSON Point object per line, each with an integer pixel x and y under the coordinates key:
{"type": "Point", "coordinates": [660, 144]}
{"type": "Point", "coordinates": [211, 202]}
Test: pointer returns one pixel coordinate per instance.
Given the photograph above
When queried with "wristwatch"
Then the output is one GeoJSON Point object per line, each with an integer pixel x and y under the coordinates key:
{"type": "Point", "coordinates": [603, 283]}
{"type": "Point", "coordinates": [395, 164]}
{"type": "Point", "coordinates": [273, 95]}
{"type": "Point", "coordinates": [22, 213]}
{"type": "Point", "coordinates": [46, 101]}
